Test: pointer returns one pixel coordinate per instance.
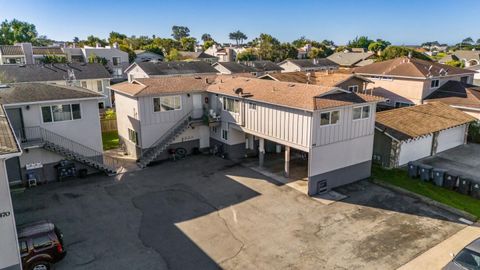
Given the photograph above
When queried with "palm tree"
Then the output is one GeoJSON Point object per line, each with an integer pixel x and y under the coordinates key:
{"type": "Point", "coordinates": [467, 40]}
{"type": "Point", "coordinates": [206, 37]}
{"type": "Point", "coordinates": [238, 36]}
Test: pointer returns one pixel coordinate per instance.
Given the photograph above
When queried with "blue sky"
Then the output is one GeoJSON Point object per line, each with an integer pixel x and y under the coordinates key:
{"type": "Point", "coordinates": [399, 21]}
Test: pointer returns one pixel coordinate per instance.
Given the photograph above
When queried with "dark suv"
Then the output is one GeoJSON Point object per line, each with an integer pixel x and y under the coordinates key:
{"type": "Point", "coordinates": [41, 245]}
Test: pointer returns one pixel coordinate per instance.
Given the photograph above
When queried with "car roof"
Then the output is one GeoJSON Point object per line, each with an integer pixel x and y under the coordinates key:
{"type": "Point", "coordinates": [34, 228]}
{"type": "Point", "coordinates": [474, 246]}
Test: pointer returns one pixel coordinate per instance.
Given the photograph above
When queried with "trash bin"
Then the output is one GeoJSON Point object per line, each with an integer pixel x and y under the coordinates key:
{"type": "Point", "coordinates": [438, 176]}
{"type": "Point", "coordinates": [475, 189]}
{"type": "Point", "coordinates": [425, 172]}
{"type": "Point", "coordinates": [413, 169]}
{"type": "Point", "coordinates": [450, 180]}
{"type": "Point", "coordinates": [464, 185]}
{"type": "Point", "coordinates": [82, 173]}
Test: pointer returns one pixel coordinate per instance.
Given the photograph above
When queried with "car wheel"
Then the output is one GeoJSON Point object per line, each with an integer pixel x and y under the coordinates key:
{"type": "Point", "coordinates": [41, 266]}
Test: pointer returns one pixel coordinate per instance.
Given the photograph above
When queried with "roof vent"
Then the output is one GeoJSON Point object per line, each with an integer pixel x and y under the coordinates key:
{"type": "Point", "coordinates": [239, 91]}
{"type": "Point", "coordinates": [291, 85]}
{"type": "Point", "coordinates": [197, 77]}
{"type": "Point", "coordinates": [2, 86]}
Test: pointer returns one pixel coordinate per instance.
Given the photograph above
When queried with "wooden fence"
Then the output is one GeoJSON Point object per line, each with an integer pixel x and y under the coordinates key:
{"type": "Point", "coordinates": [108, 125]}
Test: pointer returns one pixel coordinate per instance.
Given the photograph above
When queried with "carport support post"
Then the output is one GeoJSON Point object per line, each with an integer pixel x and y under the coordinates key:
{"type": "Point", "coordinates": [287, 161]}
{"type": "Point", "coordinates": [261, 151]}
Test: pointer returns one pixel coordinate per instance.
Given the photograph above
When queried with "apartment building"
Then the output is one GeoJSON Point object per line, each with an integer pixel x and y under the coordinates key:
{"type": "Point", "coordinates": [26, 53]}
{"type": "Point", "coordinates": [334, 127]}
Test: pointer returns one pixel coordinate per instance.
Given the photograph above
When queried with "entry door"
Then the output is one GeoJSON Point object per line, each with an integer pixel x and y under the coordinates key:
{"type": "Point", "coordinates": [197, 106]}
{"type": "Point", "coordinates": [13, 169]}
{"type": "Point", "coordinates": [16, 119]}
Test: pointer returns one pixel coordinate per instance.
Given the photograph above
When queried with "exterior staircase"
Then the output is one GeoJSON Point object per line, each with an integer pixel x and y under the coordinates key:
{"type": "Point", "coordinates": [161, 145]}
{"type": "Point", "coordinates": [38, 136]}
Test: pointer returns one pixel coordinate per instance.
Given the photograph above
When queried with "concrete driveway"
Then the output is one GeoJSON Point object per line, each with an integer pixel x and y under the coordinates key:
{"type": "Point", "coordinates": [208, 213]}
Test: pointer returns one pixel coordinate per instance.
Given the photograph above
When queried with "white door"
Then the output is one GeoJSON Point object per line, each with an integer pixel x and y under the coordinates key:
{"type": "Point", "coordinates": [450, 138]}
{"type": "Point", "coordinates": [415, 149]}
{"type": "Point", "coordinates": [204, 133]}
{"type": "Point", "coordinates": [197, 106]}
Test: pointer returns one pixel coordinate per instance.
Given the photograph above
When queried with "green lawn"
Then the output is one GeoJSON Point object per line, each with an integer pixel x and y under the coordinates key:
{"type": "Point", "coordinates": [110, 140]}
{"type": "Point", "coordinates": [400, 178]}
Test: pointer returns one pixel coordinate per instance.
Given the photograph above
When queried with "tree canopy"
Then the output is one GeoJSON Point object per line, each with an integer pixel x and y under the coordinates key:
{"type": "Point", "coordinates": [360, 42]}
{"type": "Point", "coordinates": [15, 31]}
{"type": "Point", "coordinates": [392, 52]}
{"type": "Point", "coordinates": [238, 36]}
{"type": "Point", "coordinates": [179, 32]}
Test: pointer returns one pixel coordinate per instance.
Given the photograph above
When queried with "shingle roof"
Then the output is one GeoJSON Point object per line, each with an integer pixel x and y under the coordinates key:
{"type": "Point", "coordinates": [52, 72]}
{"type": "Point", "coordinates": [235, 67]}
{"type": "Point", "coordinates": [308, 63]}
{"type": "Point", "coordinates": [468, 55]}
{"type": "Point", "coordinates": [349, 59]}
{"type": "Point", "coordinates": [410, 67]}
{"type": "Point", "coordinates": [456, 93]}
{"type": "Point", "coordinates": [8, 143]}
{"type": "Point", "coordinates": [11, 50]}
{"type": "Point", "coordinates": [195, 55]}
{"type": "Point", "coordinates": [47, 50]}
{"type": "Point", "coordinates": [344, 99]}
{"type": "Point", "coordinates": [263, 65]}
{"type": "Point", "coordinates": [39, 92]}
{"type": "Point", "coordinates": [415, 121]}
{"type": "Point", "coordinates": [176, 68]}
{"type": "Point", "coordinates": [318, 78]}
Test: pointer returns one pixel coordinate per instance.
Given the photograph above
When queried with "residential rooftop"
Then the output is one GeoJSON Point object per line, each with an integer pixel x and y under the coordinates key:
{"type": "Point", "coordinates": [458, 94]}
{"type": "Point", "coordinates": [325, 78]}
{"type": "Point", "coordinates": [311, 63]}
{"type": "Point", "coordinates": [235, 67]}
{"type": "Point", "coordinates": [8, 143]}
{"type": "Point", "coordinates": [350, 59]}
{"type": "Point", "coordinates": [263, 65]}
{"type": "Point", "coordinates": [175, 68]}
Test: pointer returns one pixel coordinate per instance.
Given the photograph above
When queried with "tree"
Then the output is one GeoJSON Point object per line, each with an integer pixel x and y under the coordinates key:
{"type": "Point", "coordinates": [153, 48]}
{"type": "Point", "coordinates": [468, 40]}
{"type": "Point", "coordinates": [173, 55]}
{"type": "Point", "coordinates": [42, 41]}
{"type": "Point", "coordinates": [238, 36]}
{"type": "Point", "coordinates": [206, 37]}
{"type": "Point", "coordinates": [188, 43]}
{"type": "Point", "coordinates": [131, 53]}
{"type": "Point", "coordinates": [300, 42]}
{"type": "Point", "coordinates": [455, 63]}
{"type": "Point", "coordinates": [15, 31]}
{"type": "Point", "coordinates": [378, 45]}
{"type": "Point", "coordinates": [287, 51]}
{"type": "Point", "coordinates": [93, 58]}
{"type": "Point", "coordinates": [328, 43]}
{"type": "Point", "coordinates": [92, 41]}
{"type": "Point", "coordinates": [360, 42]}
{"type": "Point", "coordinates": [179, 32]}
{"type": "Point", "coordinates": [167, 44]}
{"type": "Point", "coordinates": [116, 37]}
{"type": "Point", "coordinates": [267, 47]}
{"type": "Point", "coordinates": [248, 54]}
{"type": "Point", "coordinates": [76, 40]}
{"type": "Point", "coordinates": [392, 52]}
{"type": "Point", "coordinates": [478, 41]}
{"type": "Point", "coordinates": [207, 44]}
{"type": "Point", "coordinates": [53, 59]}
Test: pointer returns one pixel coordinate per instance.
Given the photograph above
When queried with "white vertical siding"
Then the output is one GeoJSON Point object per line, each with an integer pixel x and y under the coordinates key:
{"type": "Point", "coordinates": [451, 138]}
{"type": "Point", "coordinates": [415, 149]}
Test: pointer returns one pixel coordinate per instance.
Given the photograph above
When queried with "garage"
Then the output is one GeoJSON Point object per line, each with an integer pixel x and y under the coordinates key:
{"type": "Point", "coordinates": [411, 133]}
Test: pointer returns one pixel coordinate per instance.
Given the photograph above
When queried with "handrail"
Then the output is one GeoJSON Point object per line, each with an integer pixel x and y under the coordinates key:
{"type": "Point", "coordinates": [170, 132]}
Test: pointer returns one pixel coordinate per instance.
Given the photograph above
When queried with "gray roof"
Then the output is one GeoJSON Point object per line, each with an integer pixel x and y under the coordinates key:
{"type": "Point", "coordinates": [468, 55]}
{"type": "Point", "coordinates": [40, 92]}
{"type": "Point", "coordinates": [176, 68]}
{"type": "Point", "coordinates": [52, 72]}
{"type": "Point", "coordinates": [263, 65]}
{"type": "Point", "coordinates": [476, 67]}
{"type": "Point", "coordinates": [310, 63]}
{"type": "Point", "coordinates": [11, 50]}
{"type": "Point", "coordinates": [235, 67]}
{"type": "Point", "coordinates": [474, 246]}
{"type": "Point", "coordinates": [195, 55]}
{"type": "Point", "coordinates": [8, 143]}
{"type": "Point", "coordinates": [349, 59]}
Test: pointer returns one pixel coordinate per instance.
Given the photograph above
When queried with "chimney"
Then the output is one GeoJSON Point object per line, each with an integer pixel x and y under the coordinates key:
{"type": "Point", "coordinates": [315, 61]}
{"type": "Point", "coordinates": [409, 54]}
{"type": "Point", "coordinates": [27, 52]}
{"type": "Point", "coordinates": [97, 45]}
{"type": "Point", "coordinates": [115, 45]}
{"type": "Point", "coordinates": [309, 75]}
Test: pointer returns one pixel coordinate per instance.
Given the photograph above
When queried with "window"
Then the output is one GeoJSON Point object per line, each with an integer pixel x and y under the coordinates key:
{"type": "Point", "coordinates": [225, 134]}
{"type": "Point", "coordinates": [62, 112]}
{"type": "Point", "coordinates": [353, 88]}
{"type": "Point", "coordinates": [468, 259]}
{"type": "Point", "coordinates": [231, 105]}
{"type": "Point", "coordinates": [23, 247]}
{"type": "Point", "coordinates": [464, 79]}
{"type": "Point", "coordinates": [434, 83]}
{"type": "Point", "coordinates": [252, 106]}
{"type": "Point", "coordinates": [214, 130]}
{"type": "Point", "coordinates": [402, 104]}
{"type": "Point", "coordinates": [99, 86]}
{"type": "Point", "coordinates": [101, 105]}
{"type": "Point", "coordinates": [329, 118]}
{"type": "Point", "coordinates": [133, 136]}
{"type": "Point", "coordinates": [84, 84]}
{"type": "Point", "coordinates": [361, 112]}
{"type": "Point", "coordinates": [117, 73]}
{"type": "Point", "coordinates": [116, 61]}
{"type": "Point", "coordinates": [130, 77]}
{"type": "Point", "coordinates": [167, 103]}
{"type": "Point", "coordinates": [41, 242]}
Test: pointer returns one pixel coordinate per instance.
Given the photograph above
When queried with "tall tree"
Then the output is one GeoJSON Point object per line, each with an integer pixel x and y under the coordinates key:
{"type": "Point", "coordinates": [248, 54]}
{"type": "Point", "coordinates": [360, 42]}
{"type": "Point", "coordinates": [300, 42]}
{"type": "Point", "coordinates": [179, 32]}
{"type": "Point", "coordinates": [116, 37]}
{"type": "Point", "coordinates": [188, 43]}
{"type": "Point", "coordinates": [15, 31]}
{"type": "Point", "coordinates": [93, 40]}
{"type": "Point", "coordinates": [76, 40]}
{"type": "Point", "coordinates": [287, 51]}
{"type": "Point", "coordinates": [267, 47]}
{"type": "Point", "coordinates": [206, 37]}
{"type": "Point", "coordinates": [378, 45]}
{"type": "Point", "coordinates": [478, 41]}
{"type": "Point", "coordinates": [392, 52]}
{"type": "Point", "coordinates": [238, 36]}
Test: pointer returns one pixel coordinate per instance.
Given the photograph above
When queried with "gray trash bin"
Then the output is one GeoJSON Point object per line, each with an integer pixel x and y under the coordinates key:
{"type": "Point", "coordinates": [450, 180]}
{"type": "Point", "coordinates": [438, 176]}
{"type": "Point", "coordinates": [413, 169]}
{"type": "Point", "coordinates": [464, 185]}
{"type": "Point", "coordinates": [475, 189]}
{"type": "Point", "coordinates": [425, 172]}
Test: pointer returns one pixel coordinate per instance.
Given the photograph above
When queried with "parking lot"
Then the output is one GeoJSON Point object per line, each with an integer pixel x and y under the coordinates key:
{"type": "Point", "coordinates": [209, 213]}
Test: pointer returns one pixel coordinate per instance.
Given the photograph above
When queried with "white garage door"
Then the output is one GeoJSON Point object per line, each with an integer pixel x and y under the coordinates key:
{"type": "Point", "coordinates": [415, 149]}
{"type": "Point", "coordinates": [450, 138]}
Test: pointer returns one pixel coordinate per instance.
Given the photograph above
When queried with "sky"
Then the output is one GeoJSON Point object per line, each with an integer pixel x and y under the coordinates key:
{"type": "Point", "coordinates": [402, 22]}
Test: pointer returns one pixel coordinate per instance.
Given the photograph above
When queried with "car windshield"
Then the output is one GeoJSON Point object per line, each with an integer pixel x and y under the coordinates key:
{"type": "Point", "coordinates": [468, 259]}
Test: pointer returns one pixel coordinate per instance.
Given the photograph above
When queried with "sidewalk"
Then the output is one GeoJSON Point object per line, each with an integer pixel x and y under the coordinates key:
{"type": "Point", "coordinates": [438, 256]}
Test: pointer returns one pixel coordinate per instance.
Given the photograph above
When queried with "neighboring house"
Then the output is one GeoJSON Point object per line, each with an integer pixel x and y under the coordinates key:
{"type": "Point", "coordinates": [157, 69]}
{"type": "Point", "coordinates": [476, 77]}
{"type": "Point", "coordinates": [302, 53]}
{"type": "Point", "coordinates": [341, 79]}
{"type": "Point", "coordinates": [263, 66]}
{"type": "Point", "coordinates": [235, 68]}
{"type": "Point", "coordinates": [468, 58]}
{"type": "Point", "coordinates": [25, 53]}
{"type": "Point", "coordinates": [117, 60]}
{"type": "Point", "coordinates": [411, 133]}
{"type": "Point", "coordinates": [292, 65]}
{"type": "Point", "coordinates": [9, 148]}
{"type": "Point", "coordinates": [197, 56]}
{"type": "Point", "coordinates": [146, 56]}
{"type": "Point", "coordinates": [52, 123]}
{"type": "Point", "coordinates": [223, 54]}
{"type": "Point", "coordinates": [93, 77]}
{"type": "Point", "coordinates": [248, 114]}
{"type": "Point", "coordinates": [352, 59]}
{"type": "Point", "coordinates": [408, 81]}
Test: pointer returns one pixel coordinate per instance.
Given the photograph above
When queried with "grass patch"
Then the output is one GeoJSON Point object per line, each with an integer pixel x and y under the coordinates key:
{"type": "Point", "coordinates": [400, 178]}
{"type": "Point", "coordinates": [110, 140]}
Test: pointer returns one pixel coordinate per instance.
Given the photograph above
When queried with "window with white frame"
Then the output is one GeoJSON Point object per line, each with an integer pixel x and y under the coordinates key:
{"type": "Point", "coordinates": [99, 86]}
{"type": "Point", "coordinates": [167, 103]}
{"type": "Point", "coordinates": [353, 88]}
{"type": "Point", "coordinates": [116, 61]}
{"type": "Point", "coordinates": [133, 136]}
{"type": "Point", "coordinates": [117, 73]}
{"type": "Point", "coordinates": [252, 106]}
{"type": "Point", "coordinates": [225, 134]}
{"type": "Point", "coordinates": [84, 84]}
{"type": "Point", "coordinates": [434, 83]}
{"type": "Point", "coordinates": [61, 112]}
{"type": "Point", "coordinates": [362, 112]}
{"type": "Point", "coordinates": [231, 105]}
{"type": "Point", "coordinates": [329, 118]}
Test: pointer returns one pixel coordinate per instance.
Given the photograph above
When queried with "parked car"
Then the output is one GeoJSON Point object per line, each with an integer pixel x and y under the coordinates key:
{"type": "Point", "coordinates": [467, 259]}
{"type": "Point", "coordinates": [41, 245]}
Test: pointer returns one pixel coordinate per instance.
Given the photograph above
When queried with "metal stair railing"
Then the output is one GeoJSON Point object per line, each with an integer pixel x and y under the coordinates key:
{"type": "Point", "coordinates": [159, 146]}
